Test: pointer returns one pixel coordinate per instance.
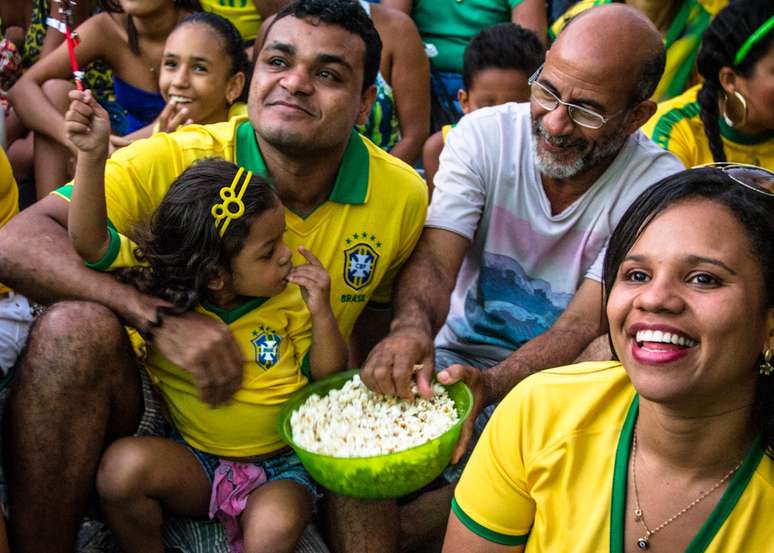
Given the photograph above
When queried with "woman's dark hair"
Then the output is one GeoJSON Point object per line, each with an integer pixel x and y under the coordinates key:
{"type": "Point", "coordinates": [233, 46]}
{"type": "Point", "coordinates": [181, 244]}
{"type": "Point", "coordinates": [502, 46]}
{"type": "Point", "coordinates": [751, 209]}
{"type": "Point", "coordinates": [731, 27]}
{"type": "Point", "coordinates": [131, 30]}
{"type": "Point", "coordinates": [346, 14]}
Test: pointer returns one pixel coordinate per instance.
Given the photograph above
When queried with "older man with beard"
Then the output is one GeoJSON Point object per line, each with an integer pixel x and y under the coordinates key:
{"type": "Point", "coordinates": [505, 280]}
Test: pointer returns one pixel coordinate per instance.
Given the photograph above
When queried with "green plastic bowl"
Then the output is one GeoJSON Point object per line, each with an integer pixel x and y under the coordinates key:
{"type": "Point", "coordinates": [381, 476]}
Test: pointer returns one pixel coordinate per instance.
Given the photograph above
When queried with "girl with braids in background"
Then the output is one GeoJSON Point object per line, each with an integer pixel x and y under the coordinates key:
{"type": "Point", "coordinates": [730, 117]}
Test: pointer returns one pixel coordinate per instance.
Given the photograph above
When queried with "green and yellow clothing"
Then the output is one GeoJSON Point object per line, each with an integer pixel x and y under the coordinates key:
{"type": "Point", "coordinates": [677, 127]}
{"type": "Point", "coordinates": [550, 470]}
{"type": "Point", "coordinates": [9, 197]}
{"type": "Point", "coordinates": [446, 26]}
{"type": "Point", "coordinates": [241, 13]}
{"type": "Point", "coordinates": [383, 127]}
{"type": "Point", "coordinates": [275, 342]}
{"type": "Point", "coordinates": [682, 36]}
{"type": "Point", "coordinates": [362, 234]}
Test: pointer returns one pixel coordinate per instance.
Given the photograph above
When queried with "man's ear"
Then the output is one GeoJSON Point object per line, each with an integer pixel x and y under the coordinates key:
{"type": "Point", "coordinates": [462, 97]}
{"type": "Point", "coordinates": [366, 102]}
{"type": "Point", "coordinates": [640, 115]}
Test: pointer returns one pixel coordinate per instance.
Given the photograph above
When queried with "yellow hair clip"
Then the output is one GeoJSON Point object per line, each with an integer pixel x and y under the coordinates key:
{"type": "Point", "coordinates": [232, 206]}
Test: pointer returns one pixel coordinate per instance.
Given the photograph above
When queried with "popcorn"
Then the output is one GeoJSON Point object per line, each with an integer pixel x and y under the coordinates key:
{"type": "Point", "coordinates": [357, 422]}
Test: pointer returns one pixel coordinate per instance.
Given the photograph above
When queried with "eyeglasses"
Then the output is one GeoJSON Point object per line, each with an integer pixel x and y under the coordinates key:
{"type": "Point", "coordinates": [750, 176]}
{"type": "Point", "coordinates": [579, 115]}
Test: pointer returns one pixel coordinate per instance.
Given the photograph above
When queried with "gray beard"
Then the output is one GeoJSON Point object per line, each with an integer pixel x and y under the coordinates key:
{"type": "Point", "coordinates": [548, 165]}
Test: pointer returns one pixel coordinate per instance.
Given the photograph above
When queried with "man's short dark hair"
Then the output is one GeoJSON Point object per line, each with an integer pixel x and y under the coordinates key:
{"type": "Point", "coordinates": [350, 16]}
{"type": "Point", "coordinates": [502, 46]}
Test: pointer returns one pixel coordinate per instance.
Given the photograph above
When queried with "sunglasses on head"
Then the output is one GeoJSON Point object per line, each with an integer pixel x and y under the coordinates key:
{"type": "Point", "coordinates": [750, 176]}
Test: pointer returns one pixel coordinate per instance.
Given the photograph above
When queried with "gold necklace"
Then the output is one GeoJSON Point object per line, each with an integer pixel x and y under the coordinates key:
{"type": "Point", "coordinates": [644, 541]}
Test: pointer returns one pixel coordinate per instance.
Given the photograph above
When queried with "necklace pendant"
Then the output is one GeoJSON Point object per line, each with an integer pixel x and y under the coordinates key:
{"type": "Point", "coordinates": [637, 515]}
{"type": "Point", "coordinates": [643, 543]}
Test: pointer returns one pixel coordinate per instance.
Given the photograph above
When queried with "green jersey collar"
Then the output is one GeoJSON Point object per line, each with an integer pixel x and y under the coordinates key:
{"type": "Point", "coordinates": [744, 139]}
{"type": "Point", "coordinates": [228, 316]}
{"type": "Point", "coordinates": [717, 517]}
{"type": "Point", "coordinates": [351, 186]}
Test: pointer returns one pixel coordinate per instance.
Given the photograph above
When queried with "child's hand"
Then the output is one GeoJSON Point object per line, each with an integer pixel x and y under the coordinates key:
{"type": "Point", "coordinates": [172, 116]}
{"type": "Point", "coordinates": [87, 124]}
{"type": "Point", "coordinates": [314, 281]}
{"type": "Point", "coordinates": [117, 142]}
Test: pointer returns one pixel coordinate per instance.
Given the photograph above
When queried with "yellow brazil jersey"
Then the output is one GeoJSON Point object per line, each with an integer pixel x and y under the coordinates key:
{"type": "Point", "coordinates": [362, 234]}
{"type": "Point", "coordinates": [275, 344]}
{"type": "Point", "coordinates": [242, 13]}
{"type": "Point", "coordinates": [677, 127]}
{"type": "Point", "coordinates": [9, 197]}
{"type": "Point", "coordinates": [550, 471]}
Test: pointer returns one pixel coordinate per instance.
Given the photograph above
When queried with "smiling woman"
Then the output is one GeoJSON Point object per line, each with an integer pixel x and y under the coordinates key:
{"type": "Point", "coordinates": [671, 447]}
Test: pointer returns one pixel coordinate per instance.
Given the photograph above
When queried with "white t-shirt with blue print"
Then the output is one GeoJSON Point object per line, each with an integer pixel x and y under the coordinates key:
{"type": "Point", "coordinates": [524, 264]}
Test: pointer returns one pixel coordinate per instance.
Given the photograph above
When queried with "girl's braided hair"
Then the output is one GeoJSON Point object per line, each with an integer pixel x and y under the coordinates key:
{"type": "Point", "coordinates": [722, 39]}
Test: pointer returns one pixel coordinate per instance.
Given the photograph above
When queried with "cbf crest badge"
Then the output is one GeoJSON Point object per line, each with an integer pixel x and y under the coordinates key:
{"type": "Point", "coordinates": [360, 262]}
{"type": "Point", "coordinates": [267, 347]}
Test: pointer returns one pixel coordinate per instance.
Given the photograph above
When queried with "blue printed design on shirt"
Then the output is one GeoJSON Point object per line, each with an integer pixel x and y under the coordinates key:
{"type": "Point", "coordinates": [507, 308]}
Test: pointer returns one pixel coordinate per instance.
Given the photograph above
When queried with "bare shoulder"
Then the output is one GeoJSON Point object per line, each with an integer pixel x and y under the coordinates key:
{"type": "Point", "coordinates": [433, 145]}
{"type": "Point", "coordinates": [104, 26]}
{"type": "Point", "coordinates": [389, 20]}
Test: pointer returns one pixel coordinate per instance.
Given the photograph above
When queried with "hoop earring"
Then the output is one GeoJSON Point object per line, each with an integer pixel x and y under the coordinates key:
{"type": "Point", "coordinates": [730, 122]}
{"type": "Point", "coordinates": [766, 368]}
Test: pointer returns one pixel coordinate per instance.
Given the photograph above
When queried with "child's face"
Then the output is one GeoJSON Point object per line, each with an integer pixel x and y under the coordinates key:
{"type": "Point", "coordinates": [195, 74]}
{"type": "Point", "coordinates": [494, 86]}
{"type": "Point", "coordinates": [263, 264]}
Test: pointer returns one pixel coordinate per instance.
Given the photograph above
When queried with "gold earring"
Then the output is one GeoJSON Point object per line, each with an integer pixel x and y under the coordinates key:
{"type": "Point", "coordinates": [730, 122]}
{"type": "Point", "coordinates": [766, 368]}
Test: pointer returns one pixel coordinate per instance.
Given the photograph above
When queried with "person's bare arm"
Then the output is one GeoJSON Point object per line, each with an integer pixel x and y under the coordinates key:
{"type": "Point", "coordinates": [572, 332]}
{"type": "Point", "coordinates": [409, 78]}
{"type": "Point", "coordinates": [561, 344]}
{"type": "Point", "coordinates": [328, 353]}
{"type": "Point", "coordinates": [54, 37]}
{"type": "Point", "coordinates": [597, 350]}
{"type": "Point", "coordinates": [88, 127]}
{"type": "Point", "coordinates": [400, 5]}
{"type": "Point", "coordinates": [461, 540]}
{"type": "Point", "coordinates": [27, 97]}
{"type": "Point", "coordinates": [430, 154]}
{"type": "Point", "coordinates": [422, 298]}
{"type": "Point", "coordinates": [531, 14]}
{"type": "Point", "coordinates": [37, 259]}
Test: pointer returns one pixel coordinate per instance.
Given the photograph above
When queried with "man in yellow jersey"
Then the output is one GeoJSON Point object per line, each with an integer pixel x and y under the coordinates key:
{"type": "Point", "coordinates": [358, 209]}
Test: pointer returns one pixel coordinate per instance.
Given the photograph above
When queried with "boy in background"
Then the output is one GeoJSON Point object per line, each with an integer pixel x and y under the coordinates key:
{"type": "Point", "coordinates": [497, 65]}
